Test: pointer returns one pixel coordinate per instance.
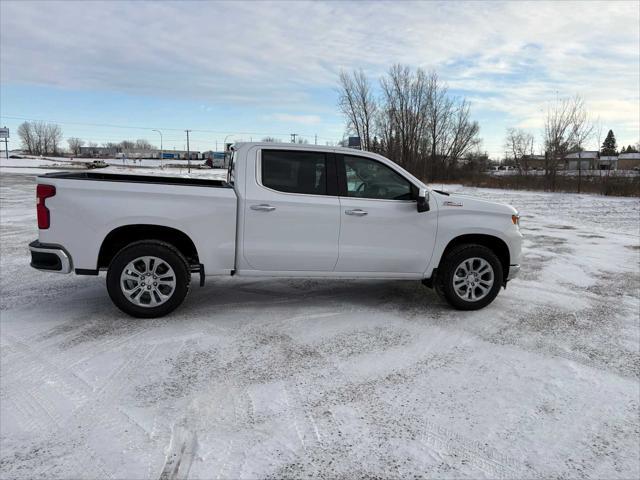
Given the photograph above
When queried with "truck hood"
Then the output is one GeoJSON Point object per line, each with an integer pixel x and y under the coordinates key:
{"type": "Point", "coordinates": [450, 201]}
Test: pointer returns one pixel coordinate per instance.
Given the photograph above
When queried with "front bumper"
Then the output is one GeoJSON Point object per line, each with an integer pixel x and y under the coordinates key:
{"type": "Point", "coordinates": [48, 257]}
{"type": "Point", "coordinates": [514, 271]}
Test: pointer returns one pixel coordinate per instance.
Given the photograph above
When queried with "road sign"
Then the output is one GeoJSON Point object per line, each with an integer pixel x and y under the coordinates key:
{"type": "Point", "coordinates": [354, 142]}
{"type": "Point", "coordinates": [4, 132]}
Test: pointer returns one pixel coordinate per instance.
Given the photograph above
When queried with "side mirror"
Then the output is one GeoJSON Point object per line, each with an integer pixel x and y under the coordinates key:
{"type": "Point", "coordinates": [423, 200]}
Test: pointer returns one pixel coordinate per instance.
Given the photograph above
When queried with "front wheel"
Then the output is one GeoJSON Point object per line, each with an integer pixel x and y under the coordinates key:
{"type": "Point", "coordinates": [148, 279]}
{"type": "Point", "coordinates": [469, 277]}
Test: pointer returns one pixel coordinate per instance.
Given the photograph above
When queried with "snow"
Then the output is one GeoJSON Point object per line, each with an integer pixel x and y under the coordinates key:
{"type": "Point", "coordinates": [42, 165]}
{"type": "Point", "coordinates": [255, 378]}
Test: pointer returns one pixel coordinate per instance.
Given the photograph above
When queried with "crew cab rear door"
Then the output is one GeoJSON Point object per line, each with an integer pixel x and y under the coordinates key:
{"type": "Point", "coordinates": [291, 211]}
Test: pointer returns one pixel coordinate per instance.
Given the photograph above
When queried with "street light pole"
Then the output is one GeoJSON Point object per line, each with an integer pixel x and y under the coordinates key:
{"type": "Point", "coordinates": [161, 149]}
{"type": "Point", "coordinates": [188, 154]}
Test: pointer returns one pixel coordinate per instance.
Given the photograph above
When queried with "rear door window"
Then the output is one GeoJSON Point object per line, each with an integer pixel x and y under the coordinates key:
{"type": "Point", "coordinates": [295, 171]}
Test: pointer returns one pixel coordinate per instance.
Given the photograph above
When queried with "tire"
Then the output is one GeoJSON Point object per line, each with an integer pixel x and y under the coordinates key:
{"type": "Point", "coordinates": [148, 279]}
{"type": "Point", "coordinates": [456, 280]}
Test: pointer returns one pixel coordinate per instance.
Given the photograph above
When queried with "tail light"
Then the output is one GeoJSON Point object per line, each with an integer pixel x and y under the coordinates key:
{"type": "Point", "coordinates": [42, 193]}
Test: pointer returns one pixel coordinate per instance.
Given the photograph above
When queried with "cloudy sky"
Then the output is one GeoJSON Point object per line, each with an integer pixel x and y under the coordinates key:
{"type": "Point", "coordinates": [114, 70]}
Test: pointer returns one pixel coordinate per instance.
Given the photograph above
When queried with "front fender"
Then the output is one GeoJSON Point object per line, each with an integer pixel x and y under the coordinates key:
{"type": "Point", "coordinates": [454, 224]}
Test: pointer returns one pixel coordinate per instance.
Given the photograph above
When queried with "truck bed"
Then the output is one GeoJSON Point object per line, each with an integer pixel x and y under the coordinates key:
{"type": "Point", "coordinates": [88, 206]}
{"type": "Point", "coordinates": [117, 177]}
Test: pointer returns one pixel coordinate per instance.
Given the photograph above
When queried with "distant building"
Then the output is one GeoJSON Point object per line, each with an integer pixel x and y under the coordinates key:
{"type": "Point", "coordinates": [533, 162]}
{"type": "Point", "coordinates": [629, 161]}
{"type": "Point", "coordinates": [586, 160]}
{"type": "Point", "coordinates": [607, 162]}
{"type": "Point", "coordinates": [103, 152]}
{"type": "Point", "coordinates": [155, 154]}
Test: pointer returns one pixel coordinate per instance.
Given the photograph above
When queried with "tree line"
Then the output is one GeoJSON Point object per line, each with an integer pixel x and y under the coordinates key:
{"type": "Point", "coordinates": [141, 144]}
{"type": "Point", "coordinates": [567, 129]}
{"type": "Point", "coordinates": [610, 146]}
{"type": "Point", "coordinates": [41, 138]}
{"type": "Point", "coordinates": [415, 121]}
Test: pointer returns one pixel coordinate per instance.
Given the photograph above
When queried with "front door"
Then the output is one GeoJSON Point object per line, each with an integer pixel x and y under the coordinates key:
{"type": "Point", "coordinates": [381, 229]}
{"type": "Point", "coordinates": [292, 212]}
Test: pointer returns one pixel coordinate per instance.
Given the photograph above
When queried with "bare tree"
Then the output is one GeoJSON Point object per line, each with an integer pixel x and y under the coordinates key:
{"type": "Point", "coordinates": [358, 105]}
{"type": "Point", "coordinates": [75, 145]}
{"type": "Point", "coordinates": [518, 146]}
{"type": "Point", "coordinates": [127, 145]}
{"type": "Point", "coordinates": [27, 137]}
{"type": "Point", "coordinates": [142, 144]}
{"type": "Point", "coordinates": [567, 128]}
{"type": "Point", "coordinates": [416, 122]}
{"type": "Point", "coordinates": [403, 122]}
{"type": "Point", "coordinates": [439, 113]}
{"type": "Point", "coordinates": [460, 135]}
{"type": "Point", "coordinates": [112, 147]}
{"type": "Point", "coordinates": [40, 138]}
{"type": "Point", "coordinates": [271, 140]}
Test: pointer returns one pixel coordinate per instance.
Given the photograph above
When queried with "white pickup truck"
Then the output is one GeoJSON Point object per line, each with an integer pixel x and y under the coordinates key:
{"type": "Point", "coordinates": [283, 211]}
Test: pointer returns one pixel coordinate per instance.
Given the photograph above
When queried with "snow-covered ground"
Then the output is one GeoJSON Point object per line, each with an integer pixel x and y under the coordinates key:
{"type": "Point", "coordinates": [42, 165]}
{"type": "Point", "coordinates": [335, 379]}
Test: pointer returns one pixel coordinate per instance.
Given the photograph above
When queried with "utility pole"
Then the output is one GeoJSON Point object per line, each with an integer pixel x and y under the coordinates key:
{"type": "Point", "coordinates": [316, 139]}
{"type": "Point", "coordinates": [579, 171]}
{"type": "Point", "coordinates": [293, 137]}
{"type": "Point", "coordinates": [188, 153]}
{"type": "Point", "coordinates": [161, 149]}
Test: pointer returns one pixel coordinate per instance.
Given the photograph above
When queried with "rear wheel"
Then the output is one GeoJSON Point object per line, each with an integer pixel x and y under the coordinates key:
{"type": "Point", "coordinates": [148, 279]}
{"type": "Point", "coordinates": [470, 277]}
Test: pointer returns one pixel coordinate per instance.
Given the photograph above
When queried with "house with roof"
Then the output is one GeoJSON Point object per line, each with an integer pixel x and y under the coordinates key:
{"type": "Point", "coordinates": [628, 161]}
{"type": "Point", "coordinates": [585, 160]}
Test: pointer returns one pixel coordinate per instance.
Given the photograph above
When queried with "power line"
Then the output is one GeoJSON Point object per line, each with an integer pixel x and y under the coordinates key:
{"type": "Point", "coordinates": [133, 127]}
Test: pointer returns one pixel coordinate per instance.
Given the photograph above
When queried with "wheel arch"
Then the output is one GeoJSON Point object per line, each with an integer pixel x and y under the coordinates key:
{"type": "Point", "coordinates": [493, 243]}
{"type": "Point", "coordinates": [122, 236]}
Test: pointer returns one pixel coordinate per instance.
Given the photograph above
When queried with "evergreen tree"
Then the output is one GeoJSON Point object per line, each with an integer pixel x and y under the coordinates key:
{"type": "Point", "coordinates": [609, 146]}
{"type": "Point", "coordinates": [623, 149]}
{"type": "Point", "coordinates": [631, 149]}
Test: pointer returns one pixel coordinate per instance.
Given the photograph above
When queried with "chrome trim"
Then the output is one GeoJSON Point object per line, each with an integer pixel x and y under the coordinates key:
{"type": "Point", "coordinates": [514, 271]}
{"type": "Point", "coordinates": [65, 261]}
{"type": "Point", "coordinates": [358, 212]}
{"type": "Point", "coordinates": [263, 207]}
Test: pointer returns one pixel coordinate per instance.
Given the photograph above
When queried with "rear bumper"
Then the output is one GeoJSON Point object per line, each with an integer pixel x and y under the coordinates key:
{"type": "Point", "coordinates": [51, 258]}
{"type": "Point", "coordinates": [514, 271]}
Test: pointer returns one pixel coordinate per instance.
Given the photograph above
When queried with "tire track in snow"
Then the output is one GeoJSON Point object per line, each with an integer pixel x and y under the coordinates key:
{"type": "Point", "coordinates": [32, 363]}
{"type": "Point", "coordinates": [490, 461]}
{"type": "Point", "coordinates": [182, 450]}
{"type": "Point", "coordinates": [97, 412]}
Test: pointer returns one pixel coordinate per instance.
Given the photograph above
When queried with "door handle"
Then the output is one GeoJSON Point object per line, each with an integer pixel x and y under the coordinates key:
{"type": "Point", "coordinates": [263, 207]}
{"type": "Point", "coordinates": [357, 212]}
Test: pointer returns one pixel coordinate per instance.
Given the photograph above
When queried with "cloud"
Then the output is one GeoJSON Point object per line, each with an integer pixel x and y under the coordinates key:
{"type": "Point", "coordinates": [509, 58]}
{"type": "Point", "coordinates": [300, 119]}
